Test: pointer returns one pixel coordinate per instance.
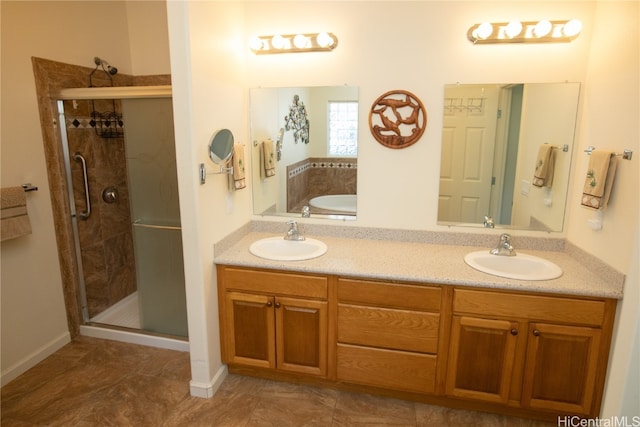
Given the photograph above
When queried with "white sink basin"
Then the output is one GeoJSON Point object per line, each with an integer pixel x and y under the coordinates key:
{"type": "Point", "coordinates": [521, 266]}
{"type": "Point", "coordinates": [279, 249]}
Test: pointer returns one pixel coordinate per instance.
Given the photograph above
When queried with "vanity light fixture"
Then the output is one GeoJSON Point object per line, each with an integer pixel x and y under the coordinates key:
{"type": "Point", "coordinates": [525, 32]}
{"type": "Point", "coordinates": [290, 43]}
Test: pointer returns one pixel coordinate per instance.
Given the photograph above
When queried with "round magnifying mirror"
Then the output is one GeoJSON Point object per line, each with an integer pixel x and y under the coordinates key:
{"type": "Point", "coordinates": [221, 146]}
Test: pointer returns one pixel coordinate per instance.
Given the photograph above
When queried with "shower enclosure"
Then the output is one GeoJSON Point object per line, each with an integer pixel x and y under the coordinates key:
{"type": "Point", "coordinates": [123, 198]}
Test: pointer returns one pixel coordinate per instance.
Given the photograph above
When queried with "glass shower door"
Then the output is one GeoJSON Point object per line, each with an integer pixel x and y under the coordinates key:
{"type": "Point", "coordinates": [155, 213]}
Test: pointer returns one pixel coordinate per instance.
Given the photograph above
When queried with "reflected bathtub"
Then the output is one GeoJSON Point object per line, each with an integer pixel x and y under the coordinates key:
{"type": "Point", "coordinates": [336, 202]}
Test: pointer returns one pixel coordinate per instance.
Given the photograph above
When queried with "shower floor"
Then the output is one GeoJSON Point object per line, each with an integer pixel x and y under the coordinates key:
{"type": "Point", "coordinates": [124, 313]}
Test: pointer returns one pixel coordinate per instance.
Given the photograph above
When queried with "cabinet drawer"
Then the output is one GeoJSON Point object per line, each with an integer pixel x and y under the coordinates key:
{"type": "Point", "coordinates": [275, 283]}
{"type": "Point", "coordinates": [570, 310]}
{"type": "Point", "coordinates": [410, 297]}
{"type": "Point", "coordinates": [388, 328]}
{"type": "Point", "coordinates": [386, 368]}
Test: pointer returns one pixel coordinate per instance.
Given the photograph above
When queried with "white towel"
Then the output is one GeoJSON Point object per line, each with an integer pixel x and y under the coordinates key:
{"type": "Point", "coordinates": [14, 218]}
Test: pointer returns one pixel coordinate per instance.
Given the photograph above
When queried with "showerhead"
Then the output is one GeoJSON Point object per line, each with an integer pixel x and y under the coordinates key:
{"type": "Point", "coordinates": [105, 66]}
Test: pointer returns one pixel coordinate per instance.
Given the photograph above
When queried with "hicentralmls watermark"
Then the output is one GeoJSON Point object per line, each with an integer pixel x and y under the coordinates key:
{"type": "Point", "coordinates": [575, 421]}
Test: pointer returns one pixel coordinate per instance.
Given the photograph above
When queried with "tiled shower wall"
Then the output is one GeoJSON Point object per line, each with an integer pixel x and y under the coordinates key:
{"type": "Point", "coordinates": [318, 176]}
{"type": "Point", "coordinates": [105, 237]}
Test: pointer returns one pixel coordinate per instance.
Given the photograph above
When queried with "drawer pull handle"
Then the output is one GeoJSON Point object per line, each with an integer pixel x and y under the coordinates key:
{"type": "Point", "coordinates": [536, 333]}
{"type": "Point", "coordinates": [277, 305]}
{"type": "Point", "coordinates": [514, 332]}
{"type": "Point", "coordinates": [269, 304]}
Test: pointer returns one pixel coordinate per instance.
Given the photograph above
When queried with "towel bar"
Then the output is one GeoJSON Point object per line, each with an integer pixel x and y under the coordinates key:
{"type": "Point", "coordinates": [29, 187]}
{"type": "Point", "coordinates": [564, 147]}
{"type": "Point", "coordinates": [626, 154]}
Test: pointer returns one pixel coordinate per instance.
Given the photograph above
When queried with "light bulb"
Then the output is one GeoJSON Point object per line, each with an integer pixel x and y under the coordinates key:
{"type": "Point", "coordinates": [483, 31]}
{"type": "Point", "coordinates": [513, 29]}
{"type": "Point", "coordinates": [255, 44]}
{"type": "Point", "coordinates": [542, 28]}
{"type": "Point", "coordinates": [324, 40]}
{"type": "Point", "coordinates": [300, 41]}
{"type": "Point", "coordinates": [572, 28]}
{"type": "Point", "coordinates": [278, 42]}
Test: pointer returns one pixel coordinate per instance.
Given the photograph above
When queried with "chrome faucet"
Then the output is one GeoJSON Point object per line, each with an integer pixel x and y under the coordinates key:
{"type": "Point", "coordinates": [306, 212]}
{"type": "Point", "coordinates": [293, 233]}
{"type": "Point", "coordinates": [504, 247]}
{"type": "Point", "coordinates": [489, 222]}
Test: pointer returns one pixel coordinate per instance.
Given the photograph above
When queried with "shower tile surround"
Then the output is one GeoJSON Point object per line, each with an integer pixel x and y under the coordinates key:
{"type": "Point", "coordinates": [106, 238]}
{"type": "Point", "coordinates": [115, 247]}
{"type": "Point", "coordinates": [319, 176]}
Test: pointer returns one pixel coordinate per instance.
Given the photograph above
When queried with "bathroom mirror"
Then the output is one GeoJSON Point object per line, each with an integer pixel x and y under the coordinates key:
{"type": "Point", "coordinates": [490, 141]}
{"type": "Point", "coordinates": [289, 176]}
{"type": "Point", "coordinates": [221, 146]}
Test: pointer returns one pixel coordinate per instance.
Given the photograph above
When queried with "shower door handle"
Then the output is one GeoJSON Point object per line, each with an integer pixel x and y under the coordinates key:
{"type": "Point", "coordinates": [87, 213]}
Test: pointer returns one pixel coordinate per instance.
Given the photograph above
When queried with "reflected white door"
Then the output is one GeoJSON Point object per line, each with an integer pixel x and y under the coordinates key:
{"type": "Point", "coordinates": [468, 141]}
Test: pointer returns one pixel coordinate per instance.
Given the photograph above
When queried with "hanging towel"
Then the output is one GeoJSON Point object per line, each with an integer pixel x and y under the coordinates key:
{"type": "Point", "coordinates": [14, 219]}
{"type": "Point", "coordinates": [599, 181]}
{"type": "Point", "coordinates": [267, 160]}
{"type": "Point", "coordinates": [238, 178]}
{"type": "Point", "coordinates": [545, 165]}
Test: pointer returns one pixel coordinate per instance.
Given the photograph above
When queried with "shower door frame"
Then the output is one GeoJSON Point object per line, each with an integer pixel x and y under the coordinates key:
{"type": "Point", "coordinates": [94, 93]}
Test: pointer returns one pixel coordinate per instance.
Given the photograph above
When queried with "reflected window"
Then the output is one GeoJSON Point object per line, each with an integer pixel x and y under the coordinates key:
{"type": "Point", "coordinates": [343, 128]}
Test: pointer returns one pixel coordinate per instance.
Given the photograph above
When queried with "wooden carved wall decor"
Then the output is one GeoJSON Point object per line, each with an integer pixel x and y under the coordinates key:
{"type": "Point", "coordinates": [397, 119]}
{"type": "Point", "coordinates": [298, 120]}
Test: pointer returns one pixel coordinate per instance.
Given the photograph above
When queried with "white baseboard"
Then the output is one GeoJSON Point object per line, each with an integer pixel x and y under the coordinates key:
{"type": "Point", "coordinates": [34, 358]}
{"type": "Point", "coordinates": [134, 338]}
{"type": "Point", "coordinates": [207, 390]}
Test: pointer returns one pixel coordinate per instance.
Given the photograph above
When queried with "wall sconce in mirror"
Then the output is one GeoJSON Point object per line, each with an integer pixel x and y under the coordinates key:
{"type": "Point", "coordinates": [543, 31]}
{"type": "Point", "coordinates": [220, 151]}
{"type": "Point", "coordinates": [293, 43]}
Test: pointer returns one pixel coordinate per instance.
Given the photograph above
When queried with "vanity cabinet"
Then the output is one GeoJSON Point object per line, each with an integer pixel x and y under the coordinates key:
{"type": "Point", "coordinates": [531, 351]}
{"type": "Point", "coordinates": [388, 334]}
{"type": "Point", "coordinates": [274, 320]}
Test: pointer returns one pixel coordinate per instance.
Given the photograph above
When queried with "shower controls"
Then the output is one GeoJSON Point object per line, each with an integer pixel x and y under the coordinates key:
{"type": "Point", "coordinates": [110, 195]}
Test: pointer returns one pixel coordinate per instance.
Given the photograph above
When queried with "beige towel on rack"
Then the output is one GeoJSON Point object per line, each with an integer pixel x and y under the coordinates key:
{"type": "Point", "coordinates": [14, 218]}
{"type": "Point", "coordinates": [237, 179]}
{"type": "Point", "coordinates": [545, 165]}
{"type": "Point", "coordinates": [599, 181]}
{"type": "Point", "coordinates": [267, 159]}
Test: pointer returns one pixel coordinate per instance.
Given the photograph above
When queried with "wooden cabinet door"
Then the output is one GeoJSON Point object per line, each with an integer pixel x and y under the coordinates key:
{"type": "Point", "coordinates": [481, 358]}
{"type": "Point", "coordinates": [560, 368]}
{"type": "Point", "coordinates": [301, 335]}
{"type": "Point", "coordinates": [249, 330]}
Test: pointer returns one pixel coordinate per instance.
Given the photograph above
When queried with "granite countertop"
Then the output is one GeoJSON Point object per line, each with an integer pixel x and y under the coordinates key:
{"type": "Point", "coordinates": [420, 262]}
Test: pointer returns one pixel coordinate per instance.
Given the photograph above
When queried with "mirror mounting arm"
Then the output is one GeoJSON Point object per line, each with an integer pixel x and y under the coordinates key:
{"type": "Point", "coordinates": [203, 172]}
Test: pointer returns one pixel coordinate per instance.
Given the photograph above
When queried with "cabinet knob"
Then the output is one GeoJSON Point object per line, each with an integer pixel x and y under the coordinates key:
{"type": "Point", "coordinates": [514, 332]}
{"type": "Point", "coordinates": [277, 304]}
{"type": "Point", "coordinates": [269, 303]}
{"type": "Point", "coordinates": [536, 333]}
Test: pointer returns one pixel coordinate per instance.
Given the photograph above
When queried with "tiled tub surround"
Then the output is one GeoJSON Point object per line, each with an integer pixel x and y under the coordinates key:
{"type": "Point", "coordinates": [319, 176]}
{"type": "Point", "coordinates": [424, 257]}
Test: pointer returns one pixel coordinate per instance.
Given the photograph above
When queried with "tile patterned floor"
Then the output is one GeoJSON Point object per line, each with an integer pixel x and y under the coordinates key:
{"type": "Point", "coordinates": [93, 382]}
